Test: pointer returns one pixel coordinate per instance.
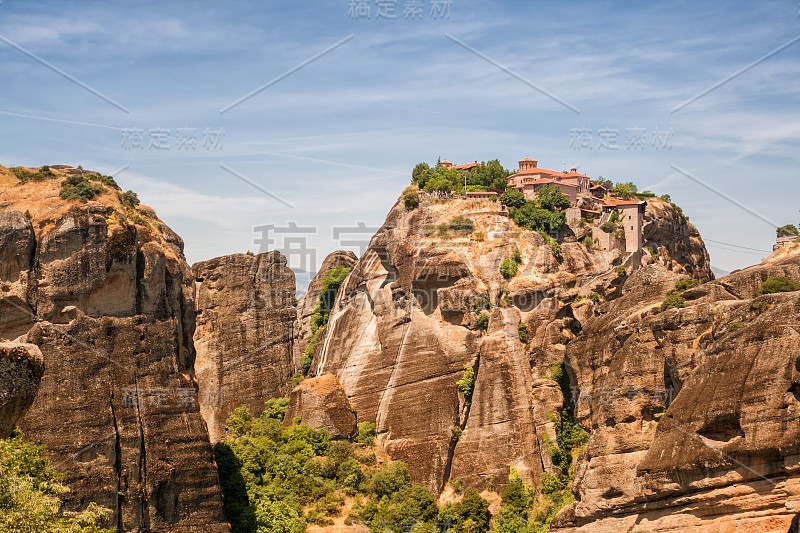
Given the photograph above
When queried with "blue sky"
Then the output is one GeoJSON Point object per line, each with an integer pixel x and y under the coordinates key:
{"type": "Point", "coordinates": [332, 144]}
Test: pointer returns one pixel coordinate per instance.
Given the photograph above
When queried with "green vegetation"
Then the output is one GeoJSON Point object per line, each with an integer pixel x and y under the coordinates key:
{"type": "Point", "coordinates": [621, 272]}
{"type": "Point", "coordinates": [589, 243]}
{"type": "Point", "coordinates": [467, 383]}
{"type": "Point", "coordinates": [789, 230]}
{"type": "Point", "coordinates": [24, 176]}
{"type": "Point", "coordinates": [469, 515]}
{"type": "Point", "coordinates": [366, 433]}
{"type": "Point", "coordinates": [625, 190]}
{"type": "Point", "coordinates": [279, 479]}
{"type": "Point", "coordinates": [483, 322]}
{"type": "Point", "coordinates": [779, 284]}
{"type": "Point", "coordinates": [555, 247]}
{"type": "Point", "coordinates": [542, 214]}
{"type": "Point", "coordinates": [481, 303]}
{"type": "Point", "coordinates": [610, 226]}
{"type": "Point", "coordinates": [551, 198]}
{"type": "Point", "coordinates": [674, 300]}
{"type": "Point", "coordinates": [684, 284]}
{"type": "Point", "coordinates": [516, 255]}
{"type": "Point", "coordinates": [759, 306]}
{"type": "Point", "coordinates": [77, 187]}
{"type": "Point", "coordinates": [593, 296]}
{"type": "Point", "coordinates": [513, 198]}
{"type": "Point", "coordinates": [128, 199]}
{"type": "Point", "coordinates": [668, 199]}
{"type": "Point", "coordinates": [522, 330]}
{"type": "Point", "coordinates": [521, 510]}
{"type": "Point", "coordinates": [735, 326]}
{"type": "Point", "coordinates": [461, 225]}
{"type": "Point", "coordinates": [30, 490]}
{"type": "Point", "coordinates": [411, 198]}
{"type": "Point", "coordinates": [319, 318]}
{"type": "Point", "coordinates": [508, 268]}
{"type": "Point", "coordinates": [486, 176]}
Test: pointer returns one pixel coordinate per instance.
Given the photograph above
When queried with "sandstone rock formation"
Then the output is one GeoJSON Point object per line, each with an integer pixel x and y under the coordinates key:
{"type": "Point", "coordinates": [321, 403]}
{"type": "Point", "coordinates": [405, 326]}
{"type": "Point", "coordinates": [21, 369]}
{"type": "Point", "coordinates": [677, 242]}
{"type": "Point", "coordinates": [105, 293]}
{"type": "Point", "coordinates": [694, 413]}
{"type": "Point", "coordinates": [307, 303]}
{"type": "Point", "coordinates": [245, 320]}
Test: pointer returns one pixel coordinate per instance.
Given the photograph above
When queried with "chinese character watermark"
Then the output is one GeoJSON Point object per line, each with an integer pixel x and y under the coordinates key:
{"type": "Point", "coordinates": [291, 241]}
{"type": "Point", "coordinates": [388, 9]}
{"type": "Point", "coordinates": [609, 139]}
{"type": "Point", "coordinates": [161, 139]}
{"type": "Point", "coordinates": [185, 397]}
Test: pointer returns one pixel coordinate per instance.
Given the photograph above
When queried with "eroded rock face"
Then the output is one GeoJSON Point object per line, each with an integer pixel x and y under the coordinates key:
{"type": "Point", "coordinates": [694, 413]}
{"type": "Point", "coordinates": [405, 326]}
{"type": "Point", "coordinates": [21, 369]}
{"type": "Point", "coordinates": [307, 303]}
{"type": "Point", "coordinates": [321, 403]}
{"type": "Point", "coordinates": [677, 242]}
{"type": "Point", "coordinates": [245, 320]}
{"type": "Point", "coordinates": [117, 406]}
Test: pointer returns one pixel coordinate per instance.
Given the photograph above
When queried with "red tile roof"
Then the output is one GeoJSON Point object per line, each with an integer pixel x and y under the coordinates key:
{"type": "Point", "coordinates": [467, 166]}
{"type": "Point", "coordinates": [575, 175]}
{"type": "Point", "coordinates": [542, 181]}
{"type": "Point", "coordinates": [613, 203]}
{"type": "Point", "coordinates": [533, 171]}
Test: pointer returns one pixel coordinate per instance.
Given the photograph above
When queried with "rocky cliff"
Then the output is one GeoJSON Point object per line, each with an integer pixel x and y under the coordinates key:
{"type": "Point", "coordinates": [694, 412]}
{"type": "Point", "coordinates": [102, 288]}
{"type": "Point", "coordinates": [406, 329]}
{"type": "Point", "coordinates": [668, 233]}
{"type": "Point", "coordinates": [244, 335]}
{"type": "Point", "coordinates": [307, 303]}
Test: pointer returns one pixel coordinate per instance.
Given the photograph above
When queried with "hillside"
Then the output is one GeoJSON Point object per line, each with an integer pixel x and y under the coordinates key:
{"type": "Point", "coordinates": [102, 289]}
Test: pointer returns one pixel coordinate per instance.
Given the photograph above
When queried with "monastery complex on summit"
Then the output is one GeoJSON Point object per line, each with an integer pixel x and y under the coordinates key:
{"type": "Point", "coordinates": [588, 201]}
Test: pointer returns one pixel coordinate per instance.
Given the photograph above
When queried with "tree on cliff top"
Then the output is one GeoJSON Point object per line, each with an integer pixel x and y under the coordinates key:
{"type": "Point", "coordinates": [789, 230]}
{"type": "Point", "coordinates": [551, 198]}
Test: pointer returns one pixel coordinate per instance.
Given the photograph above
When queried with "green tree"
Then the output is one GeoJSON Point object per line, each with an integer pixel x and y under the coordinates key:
{"type": "Point", "coordinates": [513, 198]}
{"type": "Point", "coordinates": [411, 198]}
{"type": "Point", "coordinates": [467, 382]}
{"type": "Point", "coordinates": [789, 230]}
{"type": "Point", "coordinates": [508, 268]}
{"type": "Point", "coordinates": [278, 517]}
{"type": "Point", "coordinates": [439, 183]}
{"type": "Point", "coordinates": [537, 219]}
{"type": "Point", "coordinates": [421, 174]}
{"type": "Point", "coordinates": [625, 189]}
{"type": "Point", "coordinates": [30, 490]}
{"type": "Point", "coordinates": [366, 433]}
{"type": "Point", "coordinates": [552, 198]}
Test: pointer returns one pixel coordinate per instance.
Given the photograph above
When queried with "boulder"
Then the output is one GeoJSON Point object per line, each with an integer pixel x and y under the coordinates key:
{"type": "Point", "coordinates": [321, 403]}
{"type": "Point", "coordinates": [21, 369]}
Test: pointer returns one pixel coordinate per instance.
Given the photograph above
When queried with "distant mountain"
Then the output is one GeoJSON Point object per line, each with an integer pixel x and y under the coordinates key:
{"type": "Point", "coordinates": [718, 272]}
